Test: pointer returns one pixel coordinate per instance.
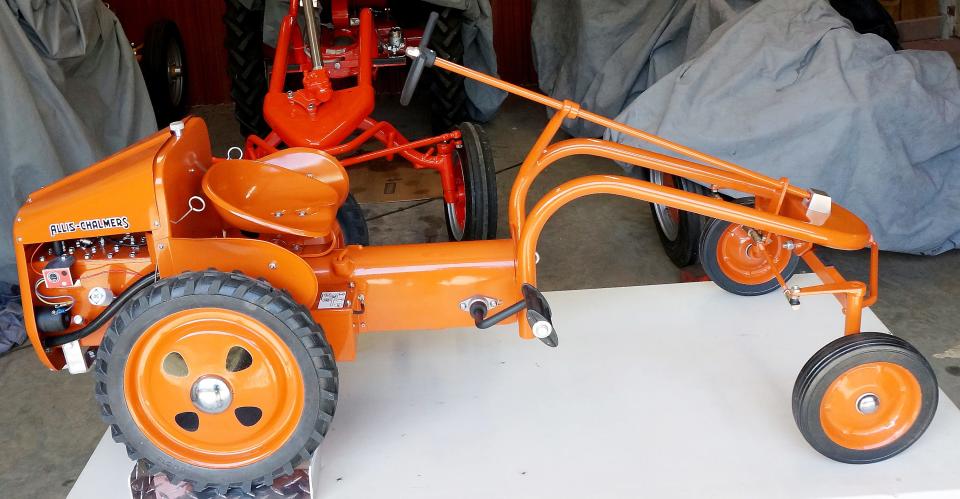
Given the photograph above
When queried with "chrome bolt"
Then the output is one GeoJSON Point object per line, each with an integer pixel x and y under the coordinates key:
{"type": "Point", "coordinates": [789, 245]}
{"type": "Point", "coordinates": [211, 394]}
{"type": "Point", "coordinates": [868, 403]}
{"type": "Point", "coordinates": [272, 265]}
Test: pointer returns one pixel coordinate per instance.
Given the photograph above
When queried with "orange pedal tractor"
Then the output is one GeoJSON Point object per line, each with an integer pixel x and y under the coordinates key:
{"type": "Point", "coordinates": [212, 298]}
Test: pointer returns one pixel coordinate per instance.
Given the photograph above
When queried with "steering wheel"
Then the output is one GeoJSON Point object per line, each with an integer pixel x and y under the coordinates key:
{"type": "Point", "coordinates": [422, 57]}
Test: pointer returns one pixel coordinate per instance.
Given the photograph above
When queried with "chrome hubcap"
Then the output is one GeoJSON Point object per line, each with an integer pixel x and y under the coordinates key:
{"type": "Point", "coordinates": [868, 403]}
{"type": "Point", "coordinates": [211, 394]}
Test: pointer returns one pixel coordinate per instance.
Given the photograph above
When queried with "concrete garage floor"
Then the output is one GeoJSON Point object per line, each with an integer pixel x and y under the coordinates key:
{"type": "Point", "coordinates": [51, 423]}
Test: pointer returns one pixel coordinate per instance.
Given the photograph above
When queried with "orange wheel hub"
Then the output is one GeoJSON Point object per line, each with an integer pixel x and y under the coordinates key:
{"type": "Point", "coordinates": [214, 388]}
{"type": "Point", "coordinates": [741, 259]}
{"type": "Point", "coordinates": [870, 406]}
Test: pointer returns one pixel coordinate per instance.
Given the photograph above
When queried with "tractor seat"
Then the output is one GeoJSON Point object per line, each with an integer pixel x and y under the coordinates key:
{"type": "Point", "coordinates": [295, 191]}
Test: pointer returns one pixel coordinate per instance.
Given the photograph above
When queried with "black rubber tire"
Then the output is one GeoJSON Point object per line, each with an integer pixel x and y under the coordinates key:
{"type": "Point", "coordinates": [683, 249]}
{"type": "Point", "coordinates": [841, 355]}
{"type": "Point", "coordinates": [246, 65]}
{"type": "Point", "coordinates": [291, 322]}
{"type": "Point", "coordinates": [448, 98]}
{"type": "Point", "coordinates": [160, 38]}
{"type": "Point", "coordinates": [869, 16]}
{"type": "Point", "coordinates": [480, 184]}
{"type": "Point", "coordinates": [712, 232]}
{"type": "Point", "coordinates": [352, 222]}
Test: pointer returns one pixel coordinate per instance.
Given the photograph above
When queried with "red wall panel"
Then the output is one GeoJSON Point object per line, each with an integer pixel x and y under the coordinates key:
{"type": "Point", "coordinates": [511, 40]}
{"type": "Point", "coordinates": [201, 26]}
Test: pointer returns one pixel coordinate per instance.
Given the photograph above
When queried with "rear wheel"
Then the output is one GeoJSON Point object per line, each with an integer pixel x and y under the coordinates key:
{"type": "Point", "coordinates": [473, 214]}
{"type": "Point", "coordinates": [864, 398]}
{"type": "Point", "coordinates": [246, 65]}
{"type": "Point", "coordinates": [216, 379]}
{"type": "Point", "coordinates": [448, 98]}
{"type": "Point", "coordinates": [352, 222]}
{"type": "Point", "coordinates": [679, 230]}
{"type": "Point", "coordinates": [732, 259]}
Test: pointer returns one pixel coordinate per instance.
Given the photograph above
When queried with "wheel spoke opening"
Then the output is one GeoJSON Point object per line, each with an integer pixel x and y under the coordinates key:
{"type": "Point", "coordinates": [238, 359]}
{"type": "Point", "coordinates": [174, 365]}
{"type": "Point", "coordinates": [248, 416]}
{"type": "Point", "coordinates": [188, 421]}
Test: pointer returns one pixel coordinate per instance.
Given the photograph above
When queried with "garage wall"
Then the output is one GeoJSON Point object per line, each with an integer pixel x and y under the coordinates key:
{"type": "Point", "coordinates": [202, 30]}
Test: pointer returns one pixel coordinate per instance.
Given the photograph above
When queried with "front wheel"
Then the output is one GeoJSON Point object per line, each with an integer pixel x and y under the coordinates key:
{"type": "Point", "coordinates": [473, 214]}
{"type": "Point", "coordinates": [864, 398]}
{"type": "Point", "coordinates": [732, 259]}
{"type": "Point", "coordinates": [216, 379]}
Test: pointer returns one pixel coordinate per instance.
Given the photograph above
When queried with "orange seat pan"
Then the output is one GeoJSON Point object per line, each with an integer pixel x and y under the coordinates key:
{"type": "Point", "coordinates": [314, 164]}
{"type": "Point", "coordinates": [265, 198]}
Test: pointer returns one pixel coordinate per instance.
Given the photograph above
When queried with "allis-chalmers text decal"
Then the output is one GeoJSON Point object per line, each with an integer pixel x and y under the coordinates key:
{"type": "Point", "coordinates": [89, 225]}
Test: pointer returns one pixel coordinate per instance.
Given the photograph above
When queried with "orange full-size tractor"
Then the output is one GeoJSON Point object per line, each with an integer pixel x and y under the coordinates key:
{"type": "Point", "coordinates": [213, 298]}
{"type": "Point", "coordinates": [317, 91]}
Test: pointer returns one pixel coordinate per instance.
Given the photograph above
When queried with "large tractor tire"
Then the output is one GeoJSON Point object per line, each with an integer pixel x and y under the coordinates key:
{"type": "Point", "coordinates": [246, 64]}
{"type": "Point", "coordinates": [216, 379]}
{"type": "Point", "coordinates": [352, 222]}
{"type": "Point", "coordinates": [869, 16]}
{"type": "Point", "coordinates": [448, 98]}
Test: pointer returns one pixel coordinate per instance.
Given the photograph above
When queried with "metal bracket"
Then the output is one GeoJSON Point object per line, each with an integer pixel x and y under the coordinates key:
{"type": "Point", "coordinates": [491, 303]}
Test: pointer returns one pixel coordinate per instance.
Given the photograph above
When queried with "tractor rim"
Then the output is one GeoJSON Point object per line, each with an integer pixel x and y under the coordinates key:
{"type": "Point", "coordinates": [214, 388]}
{"type": "Point", "coordinates": [740, 259]}
{"type": "Point", "coordinates": [174, 71]}
{"type": "Point", "coordinates": [457, 211]}
{"type": "Point", "coordinates": [667, 216]}
{"type": "Point", "coordinates": [870, 406]}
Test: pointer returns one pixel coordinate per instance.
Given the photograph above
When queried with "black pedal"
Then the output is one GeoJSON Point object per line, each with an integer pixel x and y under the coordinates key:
{"type": "Point", "coordinates": [539, 316]}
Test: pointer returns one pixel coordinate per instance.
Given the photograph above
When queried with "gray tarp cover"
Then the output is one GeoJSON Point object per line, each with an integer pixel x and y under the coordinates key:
{"type": "Point", "coordinates": [70, 94]}
{"type": "Point", "coordinates": [789, 89]}
{"type": "Point", "coordinates": [478, 53]}
{"type": "Point", "coordinates": [603, 53]}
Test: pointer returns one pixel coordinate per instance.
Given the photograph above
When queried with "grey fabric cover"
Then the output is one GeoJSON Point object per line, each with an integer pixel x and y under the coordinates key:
{"type": "Point", "coordinates": [70, 94]}
{"type": "Point", "coordinates": [603, 53]}
{"type": "Point", "coordinates": [478, 52]}
{"type": "Point", "coordinates": [789, 89]}
{"type": "Point", "coordinates": [12, 332]}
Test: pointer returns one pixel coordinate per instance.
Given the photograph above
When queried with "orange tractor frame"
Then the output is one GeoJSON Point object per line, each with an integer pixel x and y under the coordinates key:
{"type": "Point", "coordinates": [228, 290]}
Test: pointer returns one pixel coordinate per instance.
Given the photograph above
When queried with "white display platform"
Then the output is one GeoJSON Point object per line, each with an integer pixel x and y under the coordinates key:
{"type": "Point", "coordinates": [677, 390]}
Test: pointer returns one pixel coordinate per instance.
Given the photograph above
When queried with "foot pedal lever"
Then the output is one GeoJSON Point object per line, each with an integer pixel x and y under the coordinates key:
{"type": "Point", "coordinates": [538, 314]}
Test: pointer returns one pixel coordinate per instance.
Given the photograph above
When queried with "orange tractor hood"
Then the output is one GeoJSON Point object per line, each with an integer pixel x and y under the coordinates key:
{"type": "Point", "coordinates": [113, 196]}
